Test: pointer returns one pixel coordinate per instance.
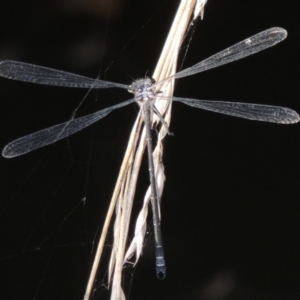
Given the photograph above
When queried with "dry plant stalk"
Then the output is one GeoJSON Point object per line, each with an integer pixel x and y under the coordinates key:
{"type": "Point", "coordinates": [122, 199]}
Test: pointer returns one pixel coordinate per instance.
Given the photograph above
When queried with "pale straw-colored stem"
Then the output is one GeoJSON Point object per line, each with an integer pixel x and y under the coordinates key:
{"type": "Point", "coordinates": [122, 199]}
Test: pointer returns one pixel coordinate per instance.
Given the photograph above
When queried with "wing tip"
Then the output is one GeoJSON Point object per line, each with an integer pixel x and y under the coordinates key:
{"type": "Point", "coordinates": [290, 117]}
{"type": "Point", "coordinates": [280, 33]}
{"type": "Point", "coordinates": [9, 151]}
{"type": "Point", "coordinates": [6, 153]}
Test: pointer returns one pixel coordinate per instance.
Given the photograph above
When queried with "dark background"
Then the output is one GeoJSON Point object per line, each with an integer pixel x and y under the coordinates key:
{"type": "Point", "coordinates": [230, 208]}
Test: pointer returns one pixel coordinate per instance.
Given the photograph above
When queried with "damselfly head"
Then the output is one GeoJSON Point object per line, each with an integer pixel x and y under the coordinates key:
{"type": "Point", "coordinates": [142, 89]}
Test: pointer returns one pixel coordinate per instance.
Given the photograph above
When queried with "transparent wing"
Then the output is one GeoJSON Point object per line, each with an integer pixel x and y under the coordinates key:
{"type": "Point", "coordinates": [36, 74]}
{"type": "Point", "coordinates": [254, 44]}
{"type": "Point", "coordinates": [258, 112]}
{"type": "Point", "coordinates": [52, 134]}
